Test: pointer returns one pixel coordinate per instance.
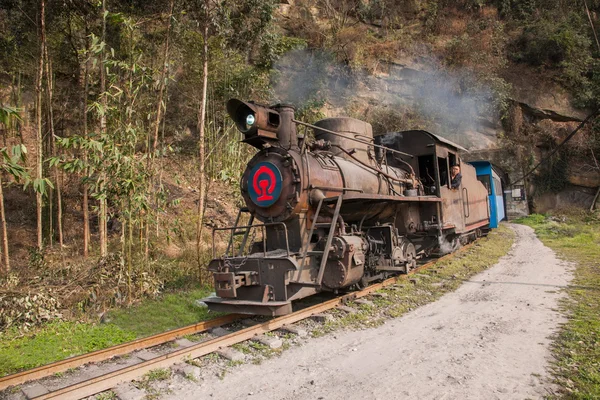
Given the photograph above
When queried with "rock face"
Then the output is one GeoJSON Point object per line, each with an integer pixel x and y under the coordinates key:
{"type": "Point", "coordinates": [410, 88]}
{"type": "Point", "coordinates": [586, 178]}
{"type": "Point", "coordinates": [571, 196]}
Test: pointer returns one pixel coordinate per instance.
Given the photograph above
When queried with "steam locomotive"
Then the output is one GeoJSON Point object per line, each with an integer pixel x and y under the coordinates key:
{"type": "Point", "coordinates": [330, 207]}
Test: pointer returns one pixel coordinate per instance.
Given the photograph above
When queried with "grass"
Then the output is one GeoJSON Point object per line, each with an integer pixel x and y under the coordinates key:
{"type": "Point", "coordinates": [62, 339]}
{"type": "Point", "coordinates": [154, 375]}
{"type": "Point", "coordinates": [158, 374]}
{"type": "Point", "coordinates": [56, 341]}
{"type": "Point", "coordinates": [575, 236]}
{"type": "Point", "coordinates": [170, 311]}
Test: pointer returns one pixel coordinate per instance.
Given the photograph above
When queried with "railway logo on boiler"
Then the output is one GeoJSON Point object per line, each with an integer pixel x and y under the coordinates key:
{"type": "Point", "coordinates": [264, 184]}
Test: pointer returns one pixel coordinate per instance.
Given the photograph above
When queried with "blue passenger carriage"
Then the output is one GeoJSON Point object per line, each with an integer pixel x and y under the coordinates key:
{"type": "Point", "coordinates": [491, 180]}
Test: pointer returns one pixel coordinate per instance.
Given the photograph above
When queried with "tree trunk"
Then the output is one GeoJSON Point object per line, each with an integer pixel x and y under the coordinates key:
{"type": "Point", "coordinates": [102, 211]}
{"type": "Point", "coordinates": [85, 205]}
{"type": "Point", "coordinates": [593, 206]}
{"type": "Point", "coordinates": [39, 136]}
{"type": "Point", "coordinates": [201, 151]}
{"type": "Point", "coordinates": [159, 109]}
{"type": "Point", "coordinates": [49, 83]}
{"type": "Point", "coordinates": [5, 254]}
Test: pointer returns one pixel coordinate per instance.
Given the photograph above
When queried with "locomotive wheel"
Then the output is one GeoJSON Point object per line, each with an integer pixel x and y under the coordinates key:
{"type": "Point", "coordinates": [410, 255]}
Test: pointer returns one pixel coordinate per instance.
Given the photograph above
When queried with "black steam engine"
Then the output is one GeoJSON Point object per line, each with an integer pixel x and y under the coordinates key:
{"type": "Point", "coordinates": [331, 207]}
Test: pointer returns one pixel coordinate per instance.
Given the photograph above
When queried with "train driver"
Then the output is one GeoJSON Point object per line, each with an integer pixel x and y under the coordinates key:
{"type": "Point", "coordinates": [456, 177]}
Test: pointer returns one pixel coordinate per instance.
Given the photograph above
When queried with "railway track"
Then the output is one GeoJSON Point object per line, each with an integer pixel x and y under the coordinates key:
{"type": "Point", "coordinates": [111, 379]}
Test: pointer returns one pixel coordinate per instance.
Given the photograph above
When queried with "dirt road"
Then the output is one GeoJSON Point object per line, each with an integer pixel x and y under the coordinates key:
{"type": "Point", "coordinates": [487, 340]}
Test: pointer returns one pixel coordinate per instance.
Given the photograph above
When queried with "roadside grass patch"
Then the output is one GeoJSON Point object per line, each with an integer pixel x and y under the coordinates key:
{"type": "Point", "coordinates": [62, 339]}
{"type": "Point", "coordinates": [170, 311]}
{"type": "Point", "coordinates": [575, 236]}
{"type": "Point", "coordinates": [56, 341]}
{"type": "Point", "coordinates": [151, 377]}
{"type": "Point", "coordinates": [158, 374]}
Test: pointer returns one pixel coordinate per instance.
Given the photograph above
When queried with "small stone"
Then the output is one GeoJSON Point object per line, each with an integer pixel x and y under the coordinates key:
{"type": "Point", "coordinates": [364, 302]}
{"type": "Point", "coordinates": [218, 331]}
{"type": "Point", "coordinates": [146, 355]}
{"type": "Point", "coordinates": [186, 370]}
{"type": "Point", "coordinates": [272, 342]}
{"type": "Point", "coordinates": [381, 295]}
{"type": "Point", "coordinates": [295, 330]}
{"type": "Point", "coordinates": [126, 391]}
{"type": "Point", "coordinates": [347, 309]}
{"type": "Point", "coordinates": [249, 322]}
{"type": "Point", "coordinates": [183, 342]}
{"type": "Point", "coordinates": [231, 354]}
{"type": "Point", "coordinates": [200, 303]}
{"type": "Point", "coordinates": [322, 317]}
{"type": "Point", "coordinates": [34, 390]}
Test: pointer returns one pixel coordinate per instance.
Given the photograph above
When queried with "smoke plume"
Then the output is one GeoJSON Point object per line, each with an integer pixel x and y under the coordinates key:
{"type": "Point", "coordinates": [426, 95]}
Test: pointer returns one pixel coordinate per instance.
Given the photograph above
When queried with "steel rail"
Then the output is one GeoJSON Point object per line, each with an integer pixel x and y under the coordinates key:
{"type": "Point", "coordinates": [121, 349]}
{"type": "Point", "coordinates": [111, 379]}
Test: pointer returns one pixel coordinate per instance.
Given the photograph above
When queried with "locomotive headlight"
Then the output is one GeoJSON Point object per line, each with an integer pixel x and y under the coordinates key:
{"type": "Point", "coordinates": [250, 119]}
{"type": "Point", "coordinates": [254, 121]}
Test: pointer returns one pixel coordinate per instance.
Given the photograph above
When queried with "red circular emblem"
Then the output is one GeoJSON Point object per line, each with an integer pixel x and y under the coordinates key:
{"type": "Point", "coordinates": [264, 184]}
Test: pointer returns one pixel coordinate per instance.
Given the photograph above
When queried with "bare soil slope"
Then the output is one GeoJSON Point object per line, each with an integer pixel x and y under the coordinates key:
{"type": "Point", "coordinates": [487, 340]}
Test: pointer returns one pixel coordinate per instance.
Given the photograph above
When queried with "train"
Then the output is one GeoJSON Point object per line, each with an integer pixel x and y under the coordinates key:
{"type": "Point", "coordinates": [330, 207]}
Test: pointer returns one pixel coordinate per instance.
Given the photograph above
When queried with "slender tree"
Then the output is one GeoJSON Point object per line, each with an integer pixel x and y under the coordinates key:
{"type": "Point", "coordinates": [159, 111]}
{"type": "Point", "coordinates": [85, 67]}
{"type": "Point", "coordinates": [57, 185]}
{"type": "Point", "coordinates": [38, 109]}
{"type": "Point", "coordinates": [10, 163]}
{"type": "Point", "coordinates": [102, 211]}
{"type": "Point", "coordinates": [205, 24]}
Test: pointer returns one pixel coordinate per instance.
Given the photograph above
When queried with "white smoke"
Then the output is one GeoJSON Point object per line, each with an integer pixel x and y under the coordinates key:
{"type": "Point", "coordinates": [447, 247]}
{"type": "Point", "coordinates": [448, 103]}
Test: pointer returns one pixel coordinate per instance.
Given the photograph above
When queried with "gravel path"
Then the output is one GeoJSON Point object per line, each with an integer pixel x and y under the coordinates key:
{"type": "Point", "coordinates": [487, 340]}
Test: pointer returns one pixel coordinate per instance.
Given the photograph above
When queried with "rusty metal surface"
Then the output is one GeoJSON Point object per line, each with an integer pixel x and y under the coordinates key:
{"type": "Point", "coordinates": [348, 130]}
{"type": "Point", "coordinates": [400, 180]}
{"type": "Point", "coordinates": [380, 197]}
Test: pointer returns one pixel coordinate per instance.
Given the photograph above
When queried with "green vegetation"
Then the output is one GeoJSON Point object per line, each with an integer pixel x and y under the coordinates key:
{"type": "Point", "coordinates": [576, 238]}
{"type": "Point", "coordinates": [170, 311]}
{"type": "Point", "coordinates": [155, 375]}
{"type": "Point", "coordinates": [159, 374]}
{"type": "Point", "coordinates": [56, 341]}
{"type": "Point", "coordinates": [59, 340]}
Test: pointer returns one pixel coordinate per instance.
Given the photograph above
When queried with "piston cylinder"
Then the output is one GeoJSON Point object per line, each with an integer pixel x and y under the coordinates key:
{"type": "Point", "coordinates": [346, 262]}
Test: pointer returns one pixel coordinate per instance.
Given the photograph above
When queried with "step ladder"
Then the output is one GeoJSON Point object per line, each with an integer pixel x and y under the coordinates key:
{"type": "Point", "coordinates": [325, 253]}
{"type": "Point", "coordinates": [240, 231]}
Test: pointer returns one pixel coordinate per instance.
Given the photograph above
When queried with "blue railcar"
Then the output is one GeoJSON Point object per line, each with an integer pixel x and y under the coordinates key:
{"type": "Point", "coordinates": [486, 175]}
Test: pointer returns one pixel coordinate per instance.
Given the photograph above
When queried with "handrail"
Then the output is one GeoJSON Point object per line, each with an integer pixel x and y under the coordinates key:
{"type": "Point", "coordinates": [262, 226]}
{"type": "Point", "coordinates": [468, 209]}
